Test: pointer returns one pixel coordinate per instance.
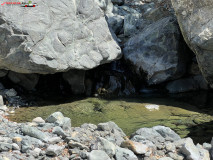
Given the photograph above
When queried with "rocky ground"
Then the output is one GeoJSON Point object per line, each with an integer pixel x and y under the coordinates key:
{"type": "Point", "coordinates": [54, 138]}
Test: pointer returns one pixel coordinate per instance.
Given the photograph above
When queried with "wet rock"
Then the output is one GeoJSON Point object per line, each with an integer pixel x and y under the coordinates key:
{"type": "Point", "coordinates": [136, 147]}
{"type": "Point", "coordinates": [124, 154]}
{"type": "Point", "coordinates": [38, 120]}
{"type": "Point", "coordinates": [34, 132]}
{"type": "Point", "coordinates": [190, 150]}
{"type": "Point", "coordinates": [54, 150]}
{"type": "Point", "coordinates": [27, 81]}
{"type": "Point", "coordinates": [97, 155]}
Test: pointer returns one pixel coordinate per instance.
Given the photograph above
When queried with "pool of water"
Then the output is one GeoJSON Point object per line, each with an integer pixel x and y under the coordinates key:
{"type": "Point", "coordinates": [129, 114]}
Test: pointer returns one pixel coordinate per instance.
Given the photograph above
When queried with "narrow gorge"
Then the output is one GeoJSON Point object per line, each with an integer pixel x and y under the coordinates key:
{"type": "Point", "coordinates": [106, 80]}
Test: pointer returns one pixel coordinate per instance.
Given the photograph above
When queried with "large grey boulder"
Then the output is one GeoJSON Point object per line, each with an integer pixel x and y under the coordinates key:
{"type": "Point", "coordinates": [55, 36]}
{"type": "Point", "coordinates": [155, 134]}
{"type": "Point", "coordinates": [156, 51]}
{"type": "Point", "coordinates": [196, 22]}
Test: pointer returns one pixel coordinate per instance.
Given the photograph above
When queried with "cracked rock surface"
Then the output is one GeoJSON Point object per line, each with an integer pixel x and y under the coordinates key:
{"type": "Point", "coordinates": [55, 36]}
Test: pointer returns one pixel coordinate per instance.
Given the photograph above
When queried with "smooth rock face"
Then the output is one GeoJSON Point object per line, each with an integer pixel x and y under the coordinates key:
{"type": "Point", "coordinates": [156, 51]}
{"type": "Point", "coordinates": [196, 22]}
{"type": "Point", "coordinates": [55, 36]}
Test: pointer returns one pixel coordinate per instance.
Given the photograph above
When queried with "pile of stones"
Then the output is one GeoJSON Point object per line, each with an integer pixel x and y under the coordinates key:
{"type": "Point", "coordinates": [54, 138]}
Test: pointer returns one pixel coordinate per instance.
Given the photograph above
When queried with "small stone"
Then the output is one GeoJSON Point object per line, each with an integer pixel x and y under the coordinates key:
{"type": "Point", "coordinates": [54, 140]}
{"type": "Point", "coordinates": [38, 120]}
{"type": "Point", "coordinates": [136, 147]}
{"type": "Point", "coordinates": [1, 101]}
{"type": "Point", "coordinates": [89, 126]}
{"type": "Point", "coordinates": [152, 107]}
{"type": "Point", "coordinates": [170, 147]}
{"type": "Point", "coordinates": [59, 131]}
{"type": "Point", "coordinates": [77, 145]}
{"type": "Point", "coordinates": [56, 117]}
{"type": "Point", "coordinates": [124, 154]}
{"type": "Point", "coordinates": [17, 139]}
{"type": "Point", "coordinates": [166, 158]}
{"type": "Point", "coordinates": [98, 155]}
{"type": "Point", "coordinates": [106, 146]}
{"type": "Point", "coordinates": [34, 132]}
{"type": "Point", "coordinates": [190, 150]}
{"type": "Point", "coordinates": [207, 146]}
{"type": "Point", "coordinates": [15, 146]}
{"type": "Point", "coordinates": [11, 93]}
{"type": "Point", "coordinates": [3, 108]}
{"type": "Point", "coordinates": [36, 152]}
{"type": "Point", "coordinates": [5, 146]}
{"type": "Point", "coordinates": [54, 150]}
